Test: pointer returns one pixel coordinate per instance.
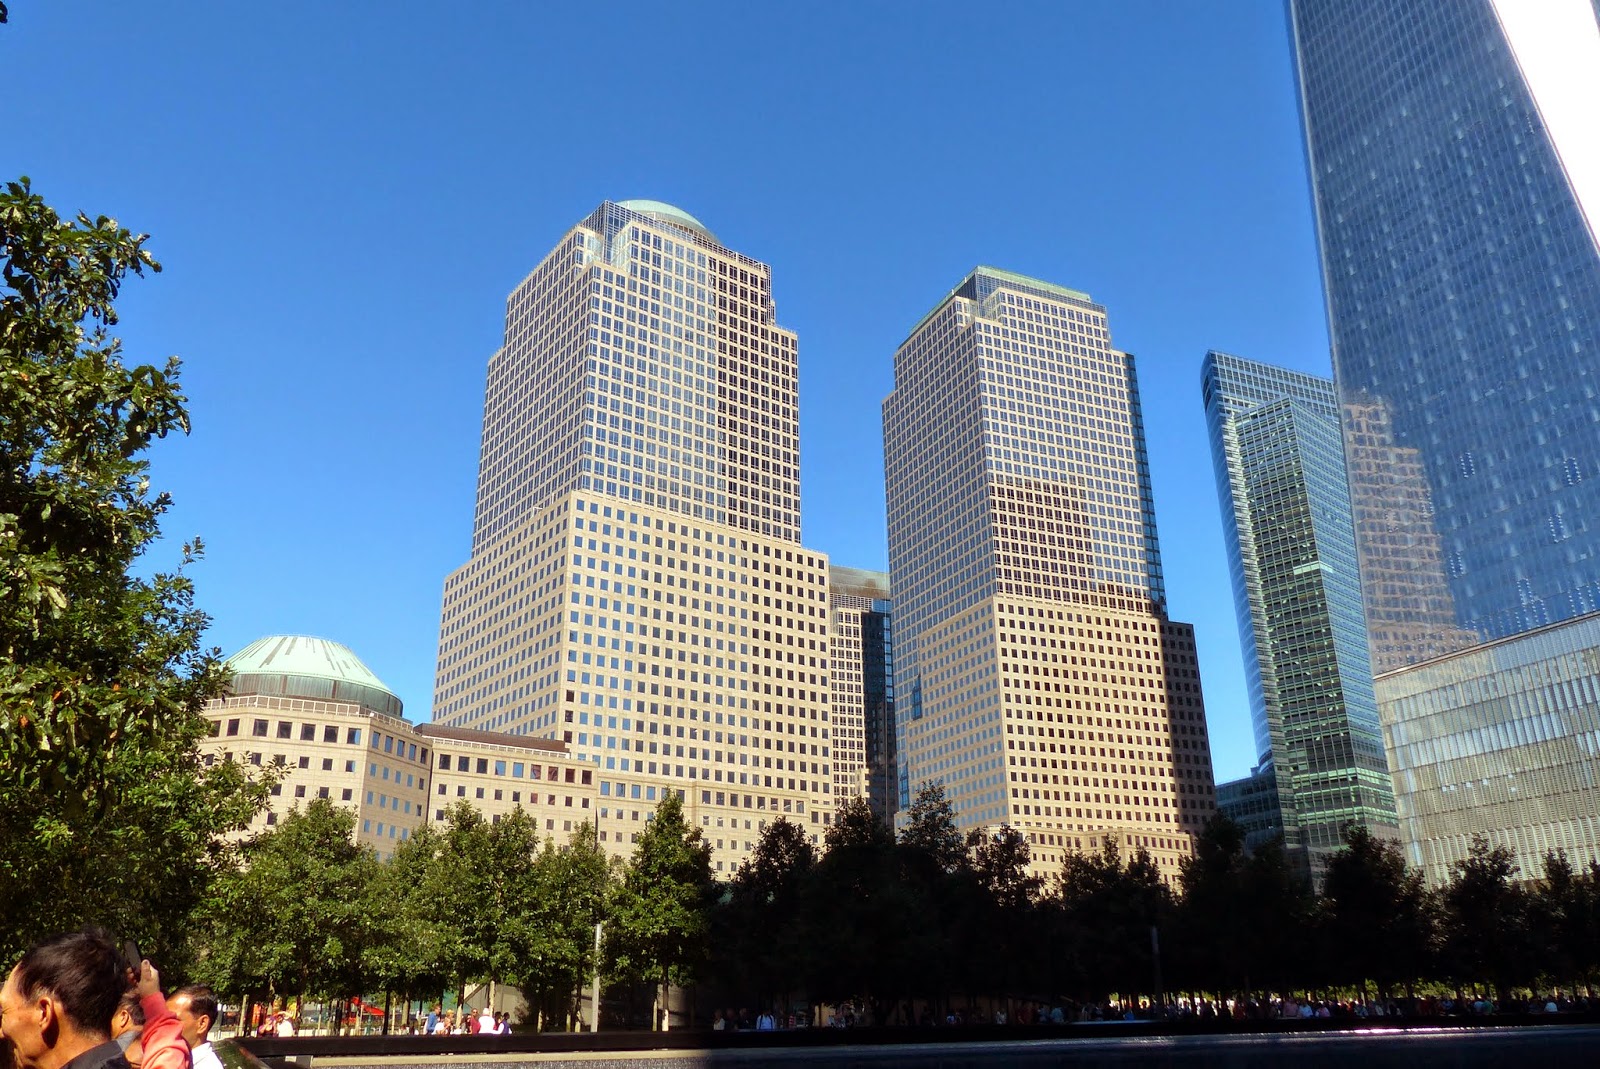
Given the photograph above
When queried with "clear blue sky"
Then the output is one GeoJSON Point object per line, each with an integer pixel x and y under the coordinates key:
{"type": "Point", "coordinates": [343, 194]}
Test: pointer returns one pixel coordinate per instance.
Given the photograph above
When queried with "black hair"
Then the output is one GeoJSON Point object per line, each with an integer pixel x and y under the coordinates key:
{"type": "Point", "coordinates": [130, 1002]}
{"type": "Point", "coordinates": [83, 971]}
{"type": "Point", "coordinates": [202, 1002]}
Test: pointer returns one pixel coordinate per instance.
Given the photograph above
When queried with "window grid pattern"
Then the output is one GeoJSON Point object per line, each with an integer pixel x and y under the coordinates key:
{"type": "Point", "coordinates": [1017, 481]}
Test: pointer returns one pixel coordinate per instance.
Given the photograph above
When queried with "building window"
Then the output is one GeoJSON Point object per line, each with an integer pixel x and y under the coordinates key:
{"type": "Point", "coordinates": [300, 791]}
{"type": "Point", "coordinates": [352, 737]}
{"type": "Point", "coordinates": [444, 761]}
{"type": "Point", "coordinates": [258, 729]}
{"type": "Point", "coordinates": [285, 729]}
{"type": "Point", "coordinates": [327, 764]}
{"type": "Point", "coordinates": [308, 732]}
{"type": "Point", "coordinates": [330, 733]}
{"type": "Point", "coordinates": [345, 796]}
{"type": "Point", "coordinates": [322, 792]}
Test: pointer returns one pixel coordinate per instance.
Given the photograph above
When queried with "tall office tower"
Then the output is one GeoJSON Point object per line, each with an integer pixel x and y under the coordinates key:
{"type": "Point", "coordinates": [636, 587]}
{"type": "Point", "coordinates": [1456, 180]}
{"type": "Point", "coordinates": [861, 656]}
{"type": "Point", "coordinates": [1276, 444]}
{"type": "Point", "coordinates": [1037, 675]}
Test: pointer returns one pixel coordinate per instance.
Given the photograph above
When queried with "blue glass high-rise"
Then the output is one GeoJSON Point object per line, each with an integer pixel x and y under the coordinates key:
{"type": "Point", "coordinates": [1456, 179]}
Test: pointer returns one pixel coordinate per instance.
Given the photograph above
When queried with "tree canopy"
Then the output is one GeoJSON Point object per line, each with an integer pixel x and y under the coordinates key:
{"type": "Point", "coordinates": [102, 671]}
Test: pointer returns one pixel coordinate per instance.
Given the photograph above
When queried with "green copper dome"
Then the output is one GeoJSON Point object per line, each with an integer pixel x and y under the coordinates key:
{"type": "Point", "coordinates": [296, 666]}
{"type": "Point", "coordinates": [666, 213]}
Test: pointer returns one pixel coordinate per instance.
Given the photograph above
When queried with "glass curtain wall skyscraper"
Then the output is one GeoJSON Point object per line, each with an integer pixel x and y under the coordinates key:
{"type": "Point", "coordinates": [1456, 180]}
{"type": "Point", "coordinates": [1037, 676]}
{"type": "Point", "coordinates": [636, 588]}
{"type": "Point", "coordinates": [1276, 442]}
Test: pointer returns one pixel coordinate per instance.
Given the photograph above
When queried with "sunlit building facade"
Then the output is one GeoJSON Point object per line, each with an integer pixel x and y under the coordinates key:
{"type": "Point", "coordinates": [1456, 180]}
{"type": "Point", "coordinates": [636, 589]}
{"type": "Point", "coordinates": [311, 709]}
{"type": "Point", "coordinates": [1037, 676]}
{"type": "Point", "coordinates": [1276, 444]}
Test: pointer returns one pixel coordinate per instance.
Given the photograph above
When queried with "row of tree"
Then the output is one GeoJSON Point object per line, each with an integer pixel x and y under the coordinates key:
{"type": "Point", "coordinates": [928, 918]}
{"type": "Point", "coordinates": [106, 813]}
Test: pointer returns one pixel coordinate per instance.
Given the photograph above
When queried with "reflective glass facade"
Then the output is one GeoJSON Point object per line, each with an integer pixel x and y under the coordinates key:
{"type": "Point", "coordinates": [1276, 443]}
{"type": "Point", "coordinates": [1463, 286]}
{"type": "Point", "coordinates": [1503, 739]}
{"type": "Point", "coordinates": [1038, 676]}
{"type": "Point", "coordinates": [1456, 180]}
{"type": "Point", "coordinates": [861, 651]}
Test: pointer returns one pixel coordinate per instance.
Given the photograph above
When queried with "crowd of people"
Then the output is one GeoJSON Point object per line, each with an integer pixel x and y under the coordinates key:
{"type": "Point", "coordinates": [76, 1002]}
{"type": "Point", "coordinates": [466, 1022]}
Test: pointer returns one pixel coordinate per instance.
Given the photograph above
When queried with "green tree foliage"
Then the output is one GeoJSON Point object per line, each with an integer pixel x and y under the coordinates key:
{"type": "Point", "coordinates": [760, 944]}
{"type": "Point", "coordinates": [296, 918]}
{"type": "Point", "coordinates": [1376, 917]}
{"type": "Point", "coordinates": [931, 829]}
{"type": "Point", "coordinates": [1486, 936]}
{"type": "Point", "coordinates": [408, 955]}
{"type": "Point", "coordinates": [1245, 920]}
{"type": "Point", "coordinates": [102, 675]}
{"type": "Point", "coordinates": [1564, 918]}
{"type": "Point", "coordinates": [858, 915]}
{"type": "Point", "coordinates": [660, 913]}
{"type": "Point", "coordinates": [1106, 908]}
{"type": "Point", "coordinates": [455, 896]}
{"type": "Point", "coordinates": [571, 887]}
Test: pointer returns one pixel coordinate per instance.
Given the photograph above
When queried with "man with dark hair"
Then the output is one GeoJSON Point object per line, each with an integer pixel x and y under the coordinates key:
{"type": "Point", "coordinates": [196, 1008]}
{"type": "Point", "coordinates": [57, 1004]}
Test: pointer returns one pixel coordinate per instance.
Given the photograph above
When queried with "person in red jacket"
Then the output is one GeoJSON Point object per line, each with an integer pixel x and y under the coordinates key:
{"type": "Point", "coordinates": [162, 1042]}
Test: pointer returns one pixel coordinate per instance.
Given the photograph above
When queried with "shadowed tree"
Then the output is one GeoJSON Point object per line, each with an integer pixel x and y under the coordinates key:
{"type": "Point", "coordinates": [1486, 937]}
{"type": "Point", "coordinates": [1564, 917]}
{"type": "Point", "coordinates": [1106, 910]}
{"type": "Point", "coordinates": [1244, 922]}
{"type": "Point", "coordinates": [762, 941]}
{"type": "Point", "coordinates": [1005, 930]}
{"type": "Point", "coordinates": [857, 913]}
{"type": "Point", "coordinates": [1376, 917]}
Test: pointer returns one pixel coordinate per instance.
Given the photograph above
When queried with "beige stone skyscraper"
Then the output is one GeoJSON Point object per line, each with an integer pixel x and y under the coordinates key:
{"type": "Point", "coordinates": [637, 588]}
{"type": "Point", "coordinates": [1036, 673]}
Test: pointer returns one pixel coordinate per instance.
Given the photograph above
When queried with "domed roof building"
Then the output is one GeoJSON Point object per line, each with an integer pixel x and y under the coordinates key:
{"type": "Point", "coordinates": [297, 666]}
{"type": "Point", "coordinates": [310, 708]}
{"type": "Point", "coordinates": [670, 214]}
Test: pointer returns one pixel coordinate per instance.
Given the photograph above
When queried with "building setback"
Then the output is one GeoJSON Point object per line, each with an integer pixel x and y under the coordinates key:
{"type": "Point", "coordinates": [861, 651]}
{"type": "Point", "coordinates": [636, 588]}
{"type": "Point", "coordinates": [1037, 675]}
{"type": "Point", "coordinates": [1276, 443]}
{"type": "Point", "coordinates": [1450, 147]}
